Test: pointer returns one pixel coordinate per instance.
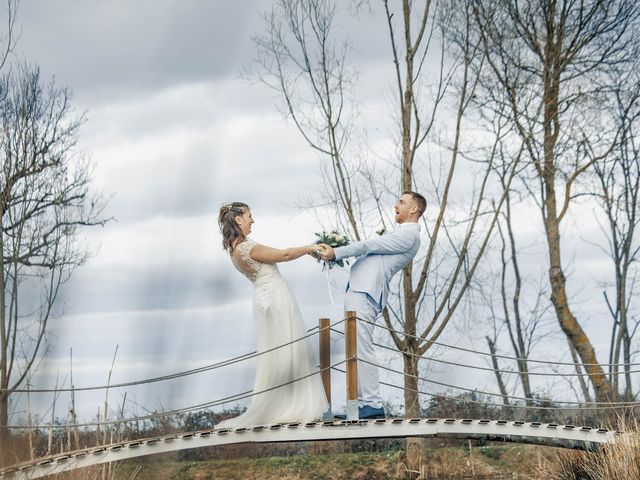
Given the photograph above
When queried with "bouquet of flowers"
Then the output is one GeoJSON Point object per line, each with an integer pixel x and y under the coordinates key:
{"type": "Point", "coordinates": [334, 240]}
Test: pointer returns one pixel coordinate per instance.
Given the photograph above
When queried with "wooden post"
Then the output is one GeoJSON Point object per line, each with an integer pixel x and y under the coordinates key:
{"type": "Point", "coordinates": [325, 361]}
{"type": "Point", "coordinates": [351, 349]}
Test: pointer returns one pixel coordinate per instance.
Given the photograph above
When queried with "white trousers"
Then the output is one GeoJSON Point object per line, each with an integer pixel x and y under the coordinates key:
{"type": "Point", "coordinates": [368, 377]}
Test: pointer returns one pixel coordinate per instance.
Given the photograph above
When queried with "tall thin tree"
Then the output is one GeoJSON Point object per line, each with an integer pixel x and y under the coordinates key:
{"type": "Point", "coordinates": [550, 56]}
{"type": "Point", "coordinates": [45, 199]}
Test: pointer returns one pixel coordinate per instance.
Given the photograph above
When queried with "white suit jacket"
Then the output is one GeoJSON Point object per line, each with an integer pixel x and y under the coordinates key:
{"type": "Point", "coordinates": [379, 259]}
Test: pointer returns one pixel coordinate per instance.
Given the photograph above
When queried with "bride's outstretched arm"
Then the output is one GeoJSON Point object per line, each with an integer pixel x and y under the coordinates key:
{"type": "Point", "coordinates": [264, 254]}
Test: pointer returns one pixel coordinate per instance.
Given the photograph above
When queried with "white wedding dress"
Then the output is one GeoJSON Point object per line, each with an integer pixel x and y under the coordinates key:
{"type": "Point", "coordinates": [278, 321]}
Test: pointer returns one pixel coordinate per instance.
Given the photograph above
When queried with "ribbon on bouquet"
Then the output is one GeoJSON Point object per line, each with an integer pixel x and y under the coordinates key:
{"type": "Point", "coordinates": [326, 271]}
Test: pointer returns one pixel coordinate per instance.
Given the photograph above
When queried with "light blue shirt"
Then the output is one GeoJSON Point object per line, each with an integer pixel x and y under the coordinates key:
{"type": "Point", "coordinates": [379, 259]}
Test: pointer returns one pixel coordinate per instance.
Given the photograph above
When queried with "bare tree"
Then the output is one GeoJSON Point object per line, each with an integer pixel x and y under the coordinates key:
{"type": "Point", "coordinates": [521, 313]}
{"type": "Point", "coordinates": [515, 305]}
{"type": "Point", "coordinates": [44, 200]}
{"type": "Point", "coordinates": [549, 56]}
{"type": "Point", "coordinates": [618, 180]}
{"type": "Point", "coordinates": [298, 59]}
{"type": "Point", "coordinates": [8, 38]}
{"type": "Point", "coordinates": [433, 289]}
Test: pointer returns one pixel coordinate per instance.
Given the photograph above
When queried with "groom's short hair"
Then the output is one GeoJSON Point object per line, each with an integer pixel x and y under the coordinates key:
{"type": "Point", "coordinates": [419, 199]}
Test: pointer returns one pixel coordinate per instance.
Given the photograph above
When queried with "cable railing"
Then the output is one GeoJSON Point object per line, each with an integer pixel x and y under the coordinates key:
{"type": "Point", "coordinates": [179, 411]}
{"type": "Point", "coordinates": [224, 363]}
{"type": "Point", "coordinates": [510, 403]}
{"type": "Point", "coordinates": [506, 357]}
{"type": "Point", "coordinates": [534, 403]}
{"type": "Point", "coordinates": [232, 398]}
{"type": "Point", "coordinates": [481, 392]}
{"type": "Point", "coordinates": [489, 369]}
{"type": "Point", "coordinates": [530, 403]}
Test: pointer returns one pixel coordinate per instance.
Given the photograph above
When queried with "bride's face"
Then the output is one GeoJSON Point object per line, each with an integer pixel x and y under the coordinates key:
{"type": "Point", "coordinates": [245, 221]}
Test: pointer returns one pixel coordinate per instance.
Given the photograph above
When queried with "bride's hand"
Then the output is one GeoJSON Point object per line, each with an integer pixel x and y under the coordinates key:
{"type": "Point", "coordinates": [314, 251]}
{"type": "Point", "coordinates": [326, 252]}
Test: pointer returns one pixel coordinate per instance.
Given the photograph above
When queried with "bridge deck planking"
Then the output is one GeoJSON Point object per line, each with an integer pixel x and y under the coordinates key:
{"type": "Point", "coordinates": [565, 436]}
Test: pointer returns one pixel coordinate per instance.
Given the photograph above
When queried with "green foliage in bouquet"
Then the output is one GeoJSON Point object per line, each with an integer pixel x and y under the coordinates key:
{"type": "Point", "coordinates": [334, 239]}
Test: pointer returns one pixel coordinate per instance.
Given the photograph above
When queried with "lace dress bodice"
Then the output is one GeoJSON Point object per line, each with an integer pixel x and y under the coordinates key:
{"type": "Point", "coordinates": [257, 272]}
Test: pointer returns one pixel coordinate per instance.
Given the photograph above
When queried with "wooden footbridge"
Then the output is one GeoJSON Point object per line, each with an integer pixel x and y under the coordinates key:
{"type": "Point", "coordinates": [567, 436]}
{"type": "Point", "coordinates": [549, 434]}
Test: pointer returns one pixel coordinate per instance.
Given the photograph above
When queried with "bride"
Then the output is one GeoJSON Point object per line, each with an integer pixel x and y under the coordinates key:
{"type": "Point", "coordinates": [278, 321]}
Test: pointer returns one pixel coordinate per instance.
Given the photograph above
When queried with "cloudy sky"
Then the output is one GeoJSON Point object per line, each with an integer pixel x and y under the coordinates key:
{"type": "Point", "coordinates": [174, 131]}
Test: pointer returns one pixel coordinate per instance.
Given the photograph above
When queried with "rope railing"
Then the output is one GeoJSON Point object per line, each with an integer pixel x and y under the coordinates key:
{"type": "Point", "coordinates": [582, 407]}
{"type": "Point", "coordinates": [224, 363]}
{"type": "Point", "coordinates": [314, 331]}
{"type": "Point", "coordinates": [331, 327]}
{"type": "Point", "coordinates": [515, 406]}
{"type": "Point", "coordinates": [214, 403]}
{"type": "Point", "coordinates": [506, 398]}
{"type": "Point", "coordinates": [351, 361]}
{"type": "Point", "coordinates": [488, 369]}
{"type": "Point", "coordinates": [506, 357]}
{"type": "Point", "coordinates": [513, 397]}
{"type": "Point", "coordinates": [228, 399]}
{"type": "Point", "coordinates": [528, 400]}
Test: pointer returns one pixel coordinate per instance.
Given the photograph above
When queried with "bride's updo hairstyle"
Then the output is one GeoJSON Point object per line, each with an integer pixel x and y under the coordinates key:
{"type": "Point", "coordinates": [227, 221]}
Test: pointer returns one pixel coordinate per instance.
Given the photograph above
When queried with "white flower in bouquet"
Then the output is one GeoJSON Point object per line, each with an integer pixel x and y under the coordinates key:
{"type": "Point", "coordinates": [334, 239]}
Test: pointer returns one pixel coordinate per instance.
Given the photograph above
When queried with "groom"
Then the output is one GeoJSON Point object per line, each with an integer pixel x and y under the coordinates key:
{"type": "Point", "coordinates": [379, 259]}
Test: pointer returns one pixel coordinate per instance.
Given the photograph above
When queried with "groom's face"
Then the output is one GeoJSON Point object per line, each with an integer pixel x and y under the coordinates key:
{"type": "Point", "coordinates": [405, 208]}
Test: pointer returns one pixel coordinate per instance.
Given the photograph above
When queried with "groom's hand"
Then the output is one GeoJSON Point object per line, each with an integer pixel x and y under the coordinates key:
{"type": "Point", "coordinates": [326, 252]}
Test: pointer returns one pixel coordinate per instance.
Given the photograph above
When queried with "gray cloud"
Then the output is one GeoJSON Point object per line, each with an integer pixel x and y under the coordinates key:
{"type": "Point", "coordinates": [123, 47]}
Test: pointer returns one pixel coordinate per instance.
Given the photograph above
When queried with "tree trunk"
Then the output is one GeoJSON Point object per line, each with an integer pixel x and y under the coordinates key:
{"type": "Point", "coordinates": [583, 384]}
{"type": "Point", "coordinates": [552, 127]}
{"type": "Point", "coordinates": [407, 104]}
{"type": "Point", "coordinates": [517, 341]}
{"type": "Point", "coordinates": [414, 446]}
{"type": "Point", "coordinates": [628, 389]}
{"type": "Point", "coordinates": [5, 438]}
{"type": "Point", "coordinates": [4, 381]}
{"type": "Point", "coordinates": [496, 370]}
{"type": "Point", "coordinates": [568, 322]}
{"type": "Point", "coordinates": [625, 339]}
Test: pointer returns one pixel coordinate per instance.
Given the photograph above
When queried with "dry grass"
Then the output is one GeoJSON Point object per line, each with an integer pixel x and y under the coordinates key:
{"type": "Point", "coordinates": [442, 459]}
{"type": "Point", "coordinates": [617, 461]}
{"type": "Point", "coordinates": [497, 461]}
{"type": "Point", "coordinates": [449, 462]}
{"type": "Point", "coordinates": [362, 466]}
